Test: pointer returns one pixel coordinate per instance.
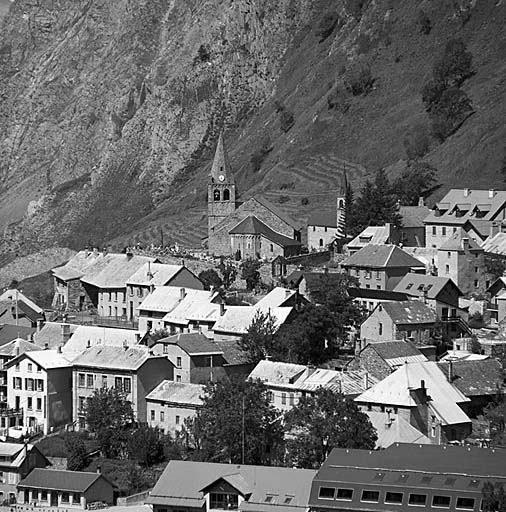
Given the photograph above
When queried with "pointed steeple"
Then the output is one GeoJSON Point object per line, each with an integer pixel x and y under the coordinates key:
{"type": "Point", "coordinates": [221, 171]}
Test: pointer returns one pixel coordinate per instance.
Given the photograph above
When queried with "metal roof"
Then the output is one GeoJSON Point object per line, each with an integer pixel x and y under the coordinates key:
{"type": "Point", "coordinates": [275, 372]}
{"type": "Point", "coordinates": [407, 312]}
{"type": "Point", "coordinates": [495, 244]}
{"type": "Point", "coordinates": [253, 226]}
{"type": "Point", "coordinates": [86, 336]}
{"type": "Point", "coordinates": [53, 479]}
{"type": "Point", "coordinates": [193, 343]}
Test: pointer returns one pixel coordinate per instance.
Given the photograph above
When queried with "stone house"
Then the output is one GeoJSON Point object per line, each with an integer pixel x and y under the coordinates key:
{"type": "Point", "coordinates": [497, 300]}
{"type": "Point", "coordinates": [369, 298]}
{"type": "Point", "coordinates": [412, 232]}
{"type": "Point", "coordinates": [171, 403]}
{"type": "Point", "coordinates": [373, 235]}
{"type": "Point", "coordinates": [133, 370]}
{"type": "Point", "coordinates": [321, 229]}
{"type": "Point", "coordinates": [406, 320]}
{"type": "Point", "coordinates": [17, 309]}
{"type": "Point", "coordinates": [380, 266]}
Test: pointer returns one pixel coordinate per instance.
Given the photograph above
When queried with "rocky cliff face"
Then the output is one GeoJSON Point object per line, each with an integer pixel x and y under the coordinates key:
{"type": "Point", "coordinates": [109, 109]}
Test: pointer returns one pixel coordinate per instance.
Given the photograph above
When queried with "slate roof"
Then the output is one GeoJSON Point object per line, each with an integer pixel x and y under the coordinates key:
{"type": "Point", "coordinates": [52, 334]}
{"type": "Point", "coordinates": [372, 293]}
{"type": "Point", "coordinates": [117, 271]}
{"type": "Point", "coordinates": [381, 256]}
{"type": "Point", "coordinates": [275, 372]}
{"type": "Point", "coordinates": [237, 319]}
{"type": "Point", "coordinates": [193, 343]}
{"type": "Point", "coordinates": [456, 243]}
{"type": "Point", "coordinates": [232, 353]}
{"type": "Point", "coordinates": [411, 285]}
{"type": "Point", "coordinates": [495, 244]}
{"type": "Point", "coordinates": [154, 273]}
{"type": "Point", "coordinates": [376, 235]}
{"type": "Point", "coordinates": [413, 216]}
{"type": "Point", "coordinates": [80, 263]}
{"type": "Point", "coordinates": [491, 205]}
{"type": "Point", "coordinates": [348, 383]}
{"type": "Point", "coordinates": [394, 349]}
{"type": "Point", "coordinates": [165, 298]}
{"type": "Point", "coordinates": [253, 226]}
{"type": "Point", "coordinates": [178, 393]}
{"type": "Point", "coordinates": [395, 389]}
{"type": "Point", "coordinates": [194, 306]}
{"type": "Point", "coordinates": [111, 357]}
{"type": "Point", "coordinates": [13, 295]}
{"type": "Point", "coordinates": [17, 347]}
{"type": "Point", "coordinates": [274, 209]}
{"type": "Point", "coordinates": [182, 482]}
{"type": "Point", "coordinates": [47, 359]}
{"type": "Point", "coordinates": [10, 332]}
{"type": "Point", "coordinates": [324, 218]}
{"type": "Point", "coordinates": [276, 297]}
{"type": "Point", "coordinates": [54, 479]}
{"type": "Point", "coordinates": [14, 454]}
{"type": "Point", "coordinates": [394, 429]}
{"type": "Point", "coordinates": [476, 378]}
{"type": "Point", "coordinates": [408, 312]}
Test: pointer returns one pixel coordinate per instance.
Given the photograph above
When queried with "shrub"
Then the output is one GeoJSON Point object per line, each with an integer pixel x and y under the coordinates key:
{"type": "Point", "coordinates": [304, 201]}
{"type": "Point", "coordinates": [417, 142]}
{"type": "Point", "coordinates": [336, 100]}
{"type": "Point", "coordinates": [356, 8]}
{"type": "Point", "coordinates": [258, 156]}
{"type": "Point", "coordinates": [283, 199]}
{"type": "Point", "coordinates": [326, 26]}
{"type": "Point", "coordinates": [359, 79]}
{"type": "Point", "coordinates": [455, 65]}
{"type": "Point", "coordinates": [286, 120]}
{"type": "Point", "coordinates": [424, 22]}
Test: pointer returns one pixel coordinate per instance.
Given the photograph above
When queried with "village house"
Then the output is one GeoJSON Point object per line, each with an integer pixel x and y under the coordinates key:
{"type": "Point", "coordinates": [131, 370]}
{"type": "Point", "coordinates": [64, 489]}
{"type": "Point", "coordinates": [369, 298]}
{"type": "Point", "coordinates": [406, 476]}
{"type": "Point", "coordinates": [308, 284]}
{"type": "Point", "coordinates": [16, 461]}
{"type": "Point", "coordinates": [321, 229]}
{"type": "Point", "coordinates": [179, 309]}
{"type": "Point", "coordinates": [496, 306]}
{"type": "Point", "coordinates": [476, 212]}
{"type": "Point", "coordinates": [462, 260]}
{"type": "Point", "coordinates": [264, 223]}
{"type": "Point", "coordinates": [280, 297]}
{"type": "Point", "coordinates": [380, 266]}
{"type": "Point", "coordinates": [40, 385]}
{"type": "Point", "coordinates": [373, 235]}
{"type": "Point", "coordinates": [206, 486]}
{"type": "Point", "coordinates": [150, 275]}
{"type": "Point", "coordinates": [17, 309]}
{"type": "Point", "coordinates": [53, 334]}
{"type": "Point", "coordinates": [420, 393]}
{"type": "Point", "coordinates": [9, 351]}
{"type": "Point", "coordinates": [409, 320]}
{"type": "Point", "coordinates": [383, 358]}
{"type": "Point", "coordinates": [171, 403]}
{"type": "Point", "coordinates": [11, 332]}
{"type": "Point", "coordinates": [412, 232]}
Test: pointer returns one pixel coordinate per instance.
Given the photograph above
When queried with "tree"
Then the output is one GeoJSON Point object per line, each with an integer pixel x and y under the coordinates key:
{"type": "Point", "coordinates": [228, 272]}
{"type": "Point", "coordinates": [76, 460]}
{"type": "Point", "coordinates": [109, 414]}
{"type": "Point", "coordinates": [416, 181]}
{"type": "Point", "coordinates": [358, 78]}
{"type": "Point", "coordinates": [258, 342]}
{"type": "Point", "coordinates": [159, 334]}
{"type": "Point", "coordinates": [210, 278]}
{"type": "Point", "coordinates": [250, 273]}
{"type": "Point", "coordinates": [286, 120]}
{"type": "Point", "coordinates": [324, 421]}
{"type": "Point", "coordinates": [237, 424]}
{"type": "Point", "coordinates": [454, 65]}
{"type": "Point", "coordinates": [495, 414]}
{"type": "Point", "coordinates": [145, 445]}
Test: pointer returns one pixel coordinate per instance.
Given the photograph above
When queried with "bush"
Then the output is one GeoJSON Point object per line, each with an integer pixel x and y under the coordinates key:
{"type": "Point", "coordinates": [258, 156]}
{"type": "Point", "coordinates": [424, 22]}
{"type": "Point", "coordinates": [304, 201]}
{"type": "Point", "coordinates": [417, 142]}
{"type": "Point", "coordinates": [358, 78]}
{"type": "Point", "coordinates": [283, 199]}
{"type": "Point", "coordinates": [211, 278]}
{"type": "Point", "coordinates": [286, 120]}
{"type": "Point", "coordinates": [327, 25]}
{"type": "Point", "coordinates": [455, 65]}
{"type": "Point", "coordinates": [356, 7]}
{"type": "Point", "coordinates": [450, 112]}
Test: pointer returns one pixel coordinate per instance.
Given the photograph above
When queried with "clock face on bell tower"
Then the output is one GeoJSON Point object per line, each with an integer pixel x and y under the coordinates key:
{"type": "Point", "coordinates": [221, 177]}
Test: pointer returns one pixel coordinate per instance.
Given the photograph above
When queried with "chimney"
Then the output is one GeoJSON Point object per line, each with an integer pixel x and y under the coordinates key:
{"type": "Point", "coordinates": [450, 371]}
{"type": "Point", "coordinates": [46, 345]}
{"type": "Point", "coordinates": [59, 349]}
{"type": "Point", "coordinates": [129, 255]}
{"type": "Point", "coordinates": [104, 251]}
{"type": "Point", "coordinates": [95, 251]}
{"type": "Point", "coordinates": [388, 232]}
{"type": "Point", "coordinates": [65, 333]}
{"type": "Point", "coordinates": [325, 269]}
{"type": "Point", "coordinates": [491, 193]}
{"type": "Point", "coordinates": [99, 469]}
{"type": "Point", "coordinates": [287, 293]}
{"type": "Point", "coordinates": [182, 262]}
{"type": "Point", "coordinates": [421, 201]}
{"type": "Point", "coordinates": [149, 274]}
{"type": "Point", "coordinates": [88, 344]}
{"type": "Point", "coordinates": [222, 308]}
{"type": "Point", "coordinates": [40, 324]}
{"type": "Point", "coordinates": [17, 347]}
{"type": "Point", "coordinates": [467, 192]}
{"type": "Point", "coordinates": [423, 295]}
{"type": "Point", "coordinates": [211, 291]}
{"type": "Point", "coordinates": [366, 380]}
{"type": "Point", "coordinates": [182, 293]}
{"type": "Point", "coordinates": [465, 244]}
{"type": "Point", "coordinates": [495, 228]}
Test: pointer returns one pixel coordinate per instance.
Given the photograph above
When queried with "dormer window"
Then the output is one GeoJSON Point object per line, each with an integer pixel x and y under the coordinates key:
{"type": "Point", "coordinates": [223, 501]}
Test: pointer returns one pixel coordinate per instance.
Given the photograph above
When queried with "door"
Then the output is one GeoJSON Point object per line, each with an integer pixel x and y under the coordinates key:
{"type": "Point", "coordinates": [54, 499]}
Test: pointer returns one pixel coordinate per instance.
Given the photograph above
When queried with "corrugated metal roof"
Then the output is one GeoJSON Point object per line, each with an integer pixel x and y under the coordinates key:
{"type": "Point", "coordinates": [178, 393]}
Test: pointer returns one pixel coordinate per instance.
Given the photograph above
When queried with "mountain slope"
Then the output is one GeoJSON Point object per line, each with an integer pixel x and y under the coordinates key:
{"type": "Point", "coordinates": [110, 109]}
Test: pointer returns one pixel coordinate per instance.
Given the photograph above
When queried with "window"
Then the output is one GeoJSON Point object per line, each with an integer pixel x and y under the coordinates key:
{"type": "Point", "coordinates": [40, 385]}
{"type": "Point", "coordinates": [269, 498]}
{"type": "Point", "coordinates": [29, 402]}
{"type": "Point", "coordinates": [283, 398]}
{"type": "Point", "coordinates": [380, 329]}
{"type": "Point", "coordinates": [443, 230]}
{"type": "Point", "coordinates": [368, 274]}
{"type": "Point", "coordinates": [152, 415]}
{"type": "Point", "coordinates": [76, 497]}
{"type": "Point", "coordinates": [371, 496]}
{"type": "Point", "coordinates": [17, 382]}
{"type": "Point", "coordinates": [39, 404]}
{"type": "Point", "coordinates": [394, 498]}
{"type": "Point", "coordinates": [43, 495]}
{"type": "Point", "coordinates": [447, 269]}
{"type": "Point", "coordinates": [89, 381]}
{"type": "Point", "coordinates": [81, 380]}
{"type": "Point", "coordinates": [465, 503]}
{"type": "Point", "coordinates": [29, 384]}
{"type": "Point", "coordinates": [434, 230]}
{"type": "Point", "coordinates": [292, 399]}
{"type": "Point", "coordinates": [344, 494]}
{"type": "Point", "coordinates": [118, 383]}
{"type": "Point", "coordinates": [178, 378]}
{"type": "Point", "coordinates": [417, 500]}
{"type": "Point", "coordinates": [17, 367]}
{"type": "Point", "coordinates": [441, 501]}
{"type": "Point", "coordinates": [127, 385]}
{"type": "Point", "coordinates": [476, 270]}
{"type": "Point", "coordinates": [65, 497]}
{"type": "Point", "coordinates": [320, 242]}
{"type": "Point", "coordinates": [162, 416]}
{"type": "Point", "coordinates": [378, 274]}
{"type": "Point", "coordinates": [178, 362]}
{"type": "Point", "coordinates": [30, 367]}
{"type": "Point", "coordinates": [326, 493]}
{"type": "Point", "coordinates": [82, 403]}
{"type": "Point", "coordinates": [287, 500]}
{"type": "Point", "coordinates": [476, 283]}
{"type": "Point", "coordinates": [314, 228]}
{"type": "Point", "coordinates": [104, 381]}
{"type": "Point", "coordinates": [222, 501]}
{"type": "Point", "coordinates": [325, 229]}
{"type": "Point", "coordinates": [272, 248]}
{"type": "Point", "coordinates": [177, 420]}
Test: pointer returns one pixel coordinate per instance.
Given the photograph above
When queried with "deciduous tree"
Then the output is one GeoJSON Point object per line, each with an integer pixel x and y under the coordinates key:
{"type": "Point", "coordinates": [210, 278]}
{"type": "Point", "coordinates": [259, 340]}
{"type": "Point", "coordinates": [250, 273]}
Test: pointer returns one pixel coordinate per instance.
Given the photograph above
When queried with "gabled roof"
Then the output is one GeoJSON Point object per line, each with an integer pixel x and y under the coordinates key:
{"type": "Point", "coordinates": [323, 218]}
{"type": "Point", "coordinates": [81, 263]}
{"type": "Point", "coordinates": [193, 344]}
{"type": "Point", "coordinates": [276, 211]}
{"type": "Point", "coordinates": [276, 297]}
{"type": "Point", "coordinates": [372, 293]}
{"type": "Point", "coordinates": [54, 479]}
{"type": "Point", "coordinates": [413, 284]}
{"type": "Point", "coordinates": [395, 389]}
{"type": "Point", "coordinates": [408, 312]}
{"type": "Point", "coordinates": [470, 199]}
{"type": "Point", "coordinates": [54, 334]}
{"type": "Point", "coordinates": [495, 244]}
{"type": "Point", "coordinates": [352, 382]}
{"type": "Point", "coordinates": [394, 429]}
{"type": "Point", "coordinates": [117, 271]}
{"type": "Point", "coordinates": [388, 350]}
{"type": "Point", "coordinates": [198, 306]}
{"type": "Point", "coordinates": [10, 332]}
{"type": "Point", "coordinates": [178, 393]}
{"type": "Point", "coordinates": [182, 484]}
{"type": "Point", "coordinates": [381, 256]}
{"type": "Point", "coordinates": [17, 347]}
{"type": "Point", "coordinates": [274, 372]}
{"type": "Point", "coordinates": [233, 354]}
{"type": "Point", "coordinates": [476, 378]}
{"type": "Point", "coordinates": [47, 359]}
{"type": "Point", "coordinates": [376, 235]}
{"type": "Point", "coordinates": [165, 298]}
{"type": "Point", "coordinates": [253, 226]}
{"type": "Point", "coordinates": [114, 358]}
{"type": "Point", "coordinates": [413, 216]}
{"type": "Point", "coordinates": [236, 480]}
{"type": "Point", "coordinates": [13, 295]}
{"type": "Point", "coordinates": [457, 241]}
{"type": "Point", "coordinates": [154, 273]}
{"type": "Point", "coordinates": [14, 454]}
{"type": "Point", "coordinates": [237, 319]}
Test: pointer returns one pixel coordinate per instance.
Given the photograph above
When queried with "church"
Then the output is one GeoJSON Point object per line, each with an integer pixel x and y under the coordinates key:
{"type": "Point", "coordinates": [253, 229]}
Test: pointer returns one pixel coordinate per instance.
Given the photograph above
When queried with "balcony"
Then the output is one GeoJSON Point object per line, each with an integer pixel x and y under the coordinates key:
{"type": "Point", "coordinates": [10, 413]}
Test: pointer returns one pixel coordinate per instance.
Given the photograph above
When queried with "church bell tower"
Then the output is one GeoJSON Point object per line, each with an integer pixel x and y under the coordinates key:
{"type": "Point", "coordinates": [220, 188]}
